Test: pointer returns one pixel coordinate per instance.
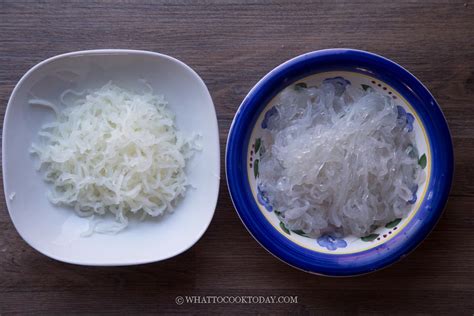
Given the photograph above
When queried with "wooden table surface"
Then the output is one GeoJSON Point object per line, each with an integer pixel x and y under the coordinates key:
{"type": "Point", "coordinates": [232, 44]}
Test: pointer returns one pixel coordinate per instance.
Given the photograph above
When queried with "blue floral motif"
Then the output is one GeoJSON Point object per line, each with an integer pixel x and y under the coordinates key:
{"type": "Point", "coordinates": [332, 241]}
{"type": "Point", "coordinates": [414, 197]}
{"type": "Point", "coordinates": [401, 112]}
{"type": "Point", "coordinates": [405, 116]}
{"type": "Point", "coordinates": [410, 120]}
{"type": "Point", "coordinates": [339, 84]}
{"type": "Point", "coordinates": [263, 199]}
{"type": "Point", "coordinates": [268, 115]}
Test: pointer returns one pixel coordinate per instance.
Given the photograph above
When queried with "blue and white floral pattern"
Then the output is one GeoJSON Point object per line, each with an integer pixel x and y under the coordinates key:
{"type": "Point", "coordinates": [414, 197]}
{"type": "Point", "coordinates": [263, 199]}
{"type": "Point", "coordinates": [406, 118]}
{"type": "Point", "coordinates": [332, 241]}
{"type": "Point", "coordinates": [271, 112]}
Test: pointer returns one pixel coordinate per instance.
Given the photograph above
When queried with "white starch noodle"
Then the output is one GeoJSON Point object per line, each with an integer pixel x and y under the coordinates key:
{"type": "Point", "coordinates": [115, 151]}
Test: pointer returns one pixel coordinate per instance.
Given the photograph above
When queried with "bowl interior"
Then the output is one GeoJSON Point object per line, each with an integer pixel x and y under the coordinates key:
{"type": "Point", "coordinates": [328, 243]}
{"type": "Point", "coordinates": [55, 231]}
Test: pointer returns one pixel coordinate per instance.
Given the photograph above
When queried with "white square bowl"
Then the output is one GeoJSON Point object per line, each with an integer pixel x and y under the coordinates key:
{"type": "Point", "coordinates": [55, 231]}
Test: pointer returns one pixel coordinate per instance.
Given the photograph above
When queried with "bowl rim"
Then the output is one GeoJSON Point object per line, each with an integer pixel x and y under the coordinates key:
{"type": "Point", "coordinates": [412, 90]}
{"type": "Point", "coordinates": [104, 52]}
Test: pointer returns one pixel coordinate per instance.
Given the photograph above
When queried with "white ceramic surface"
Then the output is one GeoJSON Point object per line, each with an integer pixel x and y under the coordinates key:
{"type": "Point", "coordinates": [55, 231]}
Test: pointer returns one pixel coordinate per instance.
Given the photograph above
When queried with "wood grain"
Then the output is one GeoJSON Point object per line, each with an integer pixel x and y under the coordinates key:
{"type": "Point", "coordinates": [232, 44]}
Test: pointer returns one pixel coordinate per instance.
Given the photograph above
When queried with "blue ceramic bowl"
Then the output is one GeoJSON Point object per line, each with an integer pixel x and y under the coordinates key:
{"type": "Point", "coordinates": [329, 254]}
